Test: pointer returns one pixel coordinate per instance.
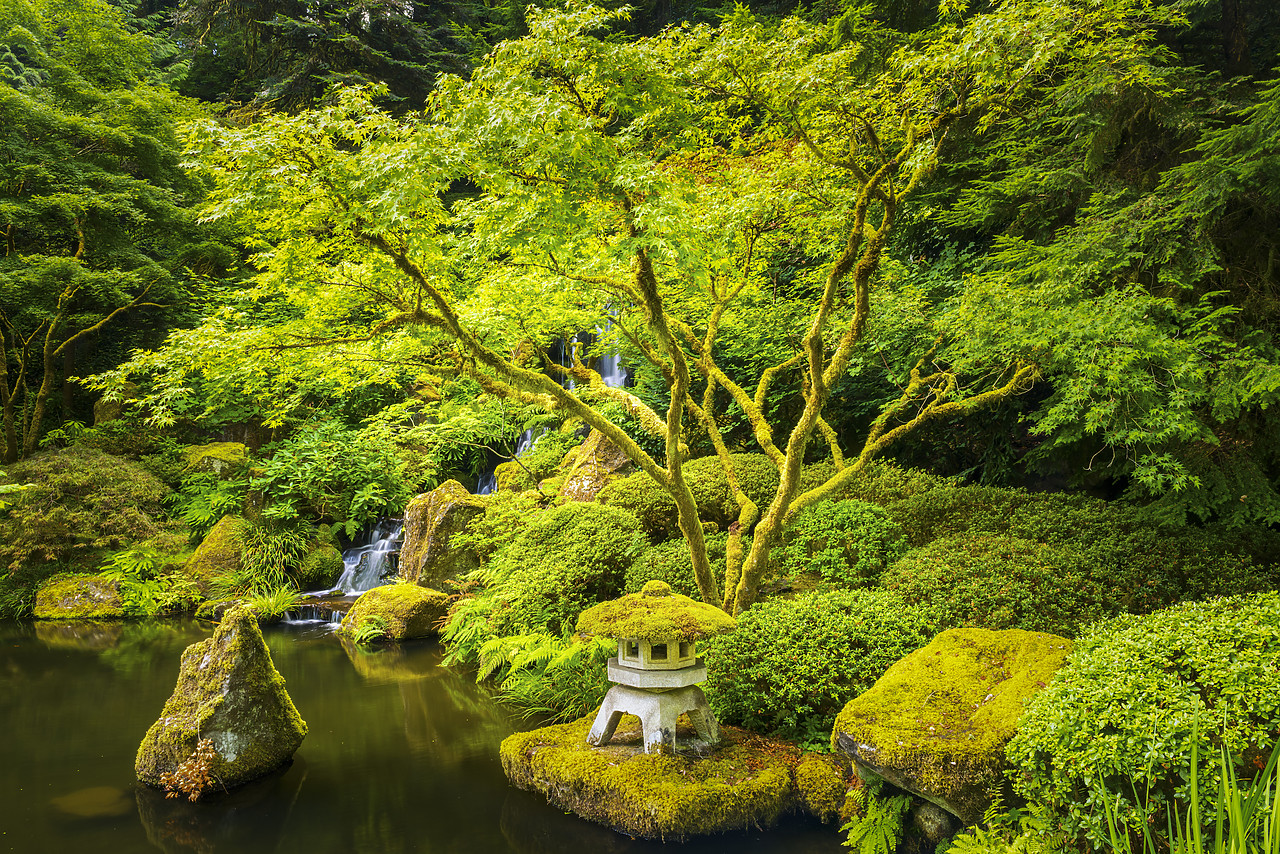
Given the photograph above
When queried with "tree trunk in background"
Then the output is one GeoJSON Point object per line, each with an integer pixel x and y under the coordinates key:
{"type": "Point", "coordinates": [1235, 41]}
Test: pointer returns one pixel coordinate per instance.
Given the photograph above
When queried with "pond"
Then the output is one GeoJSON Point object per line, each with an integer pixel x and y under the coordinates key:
{"type": "Point", "coordinates": [401, 756]}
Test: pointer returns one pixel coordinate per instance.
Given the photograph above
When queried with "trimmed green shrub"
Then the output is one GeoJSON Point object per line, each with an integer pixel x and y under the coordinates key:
{"type": "Point", "coordinates": [1007, 582]}
{"type": "Point", "coordinates": [850, 543]}
{"type": "Point", "coordinates": [1120, 719]}
{"type": "Point", "coordinates": [791, 665]}
{"type": "Point", "coordinates": [670, 562]}
{"type": "Point", "coordinates": [656, 509]}
{"type": "Point", "coordinates": [569, 558]}
{"type": "Point", "coordinates": [881, 482]}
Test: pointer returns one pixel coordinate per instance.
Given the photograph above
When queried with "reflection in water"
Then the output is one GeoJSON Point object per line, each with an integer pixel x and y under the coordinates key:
{"type": "Point", "coordinates": [401, 756]}
{"type": "Point", "coordinates": [82, 634]}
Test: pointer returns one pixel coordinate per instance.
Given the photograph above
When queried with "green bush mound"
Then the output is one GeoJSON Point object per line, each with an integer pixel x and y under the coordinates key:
{"type": "Point", "coordinates": [1003, 582]}
{"type": "Point", "coordinates": [569, 558]}
{"type": "Point", "coordinates": [849, 543]}
{"type": "Point", "coordinates": [793, 664]}
{"type": "Point", "coordinates": [1117, 724]}
{"type": "Point", "coordinates": [883, 482]}
{"type": "Point", "coordinates": [81, 505]}
{"type": "Point", "coordinates": [656, 510]}
{"type": "Point", "coordinates": [670, 562]}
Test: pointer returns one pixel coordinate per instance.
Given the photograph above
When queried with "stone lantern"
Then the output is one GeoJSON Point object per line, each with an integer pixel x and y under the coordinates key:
{"type": "Point", "coordinates": [657, 671]}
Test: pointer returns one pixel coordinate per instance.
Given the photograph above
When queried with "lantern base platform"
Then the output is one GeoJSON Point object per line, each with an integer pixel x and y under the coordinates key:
{"type": "Point", "coordinates": [657, 712]}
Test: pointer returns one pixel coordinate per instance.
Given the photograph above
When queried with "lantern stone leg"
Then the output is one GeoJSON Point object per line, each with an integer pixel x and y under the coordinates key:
{"type": "Point", "coordinates": [658, 711]}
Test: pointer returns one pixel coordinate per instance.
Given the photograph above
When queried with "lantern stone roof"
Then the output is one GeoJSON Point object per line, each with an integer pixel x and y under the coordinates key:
{"type": "Point", "coordinates": [655, 614]}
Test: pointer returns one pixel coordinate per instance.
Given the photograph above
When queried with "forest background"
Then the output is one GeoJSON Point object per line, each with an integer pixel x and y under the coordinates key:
{"type": "Point", "coordinates": [1030, 243]}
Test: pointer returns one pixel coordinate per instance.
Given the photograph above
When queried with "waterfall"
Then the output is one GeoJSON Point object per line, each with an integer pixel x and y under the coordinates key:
{"type": "Point", "coordinates": [365, 565]}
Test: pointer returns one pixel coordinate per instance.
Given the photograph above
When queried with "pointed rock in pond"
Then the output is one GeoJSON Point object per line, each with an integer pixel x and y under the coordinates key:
{"type": "Point", "coordinates": [229, 692]}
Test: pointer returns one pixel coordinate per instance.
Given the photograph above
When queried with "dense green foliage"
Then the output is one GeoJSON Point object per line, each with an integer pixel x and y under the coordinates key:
{"type": "Point", "coordinates": [670, 562]}
{"type": "Point", "coordinates": [1118, 722]}
{"type": "Point", "coordinates": [1003, 582]}
{"type": "Point", "coordinates": [792, 664]}
{"type": "Point", "coordinates": [849, 543]}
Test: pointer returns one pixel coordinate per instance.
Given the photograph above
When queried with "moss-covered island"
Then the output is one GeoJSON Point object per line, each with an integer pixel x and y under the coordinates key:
{"type": "Point", "coordinates": [401, 611]}
{"type": "Point", "coordinates": [745, 782]}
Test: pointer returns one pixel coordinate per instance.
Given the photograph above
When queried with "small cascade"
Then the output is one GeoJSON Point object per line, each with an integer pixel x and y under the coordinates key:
{"type": "Point", "coordinates": [371, 563]}
{"type": "Point", "coordinates": [488, 482]}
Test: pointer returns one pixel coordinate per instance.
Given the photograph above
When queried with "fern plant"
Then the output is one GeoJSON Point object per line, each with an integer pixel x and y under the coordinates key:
{"type": "Point", "coordinates": [145, 590]}
{"type": "Point", "coordinates": [879, 829]}
{"type": "Point", "coordinates": [370, 629]}
{"type": "Point", "coordinates": [556, 677]}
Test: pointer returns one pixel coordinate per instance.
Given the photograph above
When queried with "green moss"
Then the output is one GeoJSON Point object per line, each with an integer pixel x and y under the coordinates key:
{"type": "Point", "coordinates": [655, 614]}
{"type": "Point", "coordinates": [822, 785]}
{"type": "Point", "coordinates": [671, 562]}
{"type": "Point", "coordinates": [939, 718]}
{"type": "Point", "coordinates": [229, 691]}
{"type": "Point", "coordinates": [745, 782]}
{"type": "Point", "coordinates": [405, 611]}
{"type": "Point", "coordinates": [320, 568]}
{"type": "Point", "coordinates": [219, 554]}
{"type": "Point", "coordinates": [216, 457]}
{"type": "Point", "coordinates": [78, 597]}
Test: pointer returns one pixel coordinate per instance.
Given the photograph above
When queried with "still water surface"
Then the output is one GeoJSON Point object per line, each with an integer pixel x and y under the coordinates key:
{"type": "Point", "coordinates": [401, 756]}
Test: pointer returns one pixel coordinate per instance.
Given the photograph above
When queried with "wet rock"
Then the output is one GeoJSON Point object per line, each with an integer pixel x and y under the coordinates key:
{"type": "Point", "coordinates": [78, 597]}
{"type": "Point", "coordinates": [933, 822]}
{"type": "Point", "coordinates": [229, 692]}
{"type": "Point", "coordinates": [937, 722]}
{"type": "Point", "coordinates": [402, 610]}
{"type": "Point", "coordinates": [430, 521]}
{"type": "Point", "coordinates": [219, 554]}
{"type": "Point", "coordinates": [591, 466]}
{"type": "Point", "coordinates": [745, 782]}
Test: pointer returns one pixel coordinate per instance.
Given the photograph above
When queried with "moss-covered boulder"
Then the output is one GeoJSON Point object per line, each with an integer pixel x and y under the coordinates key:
{"type": "Point", "coordinates": [78, 597]}
{"type": "Point", "coordinates": [822, 787]}
{"type": "Point", "coordinates": [589, 467]}
{"type": "Point", "coordinates": [430, 521]}
{"type": "Point", "coordinates": [937, 722]}
{"type": "Point", "coordinates": [217, 457]}
{"type": "Point", "coordinates": [229, 692]}
{"type": "Point", "coordinates": [745, 782]}
{"type": "Point", "coordinates": [402, 610]}
{"type": "Point", "coordinates": [219, 554]}
{"type": "Point", "coordinates": [320, 568]}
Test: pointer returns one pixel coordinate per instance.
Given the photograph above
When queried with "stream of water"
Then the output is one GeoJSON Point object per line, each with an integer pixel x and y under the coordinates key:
{"type": "Point", "coordinates": [401, 756]}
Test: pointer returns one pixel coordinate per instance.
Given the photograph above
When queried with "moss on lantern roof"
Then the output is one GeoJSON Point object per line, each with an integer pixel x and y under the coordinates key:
{"type": "Point", "coordinates": [656, 615]}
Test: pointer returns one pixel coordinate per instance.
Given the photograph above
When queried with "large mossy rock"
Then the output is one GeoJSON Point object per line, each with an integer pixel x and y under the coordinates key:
{"type": "Point", "coordinates": [745, 782]}
{"type": "Point", "coordinates": [229, 692]}
{"type": "Point", "coordinates": [403, 610]}
{"type": "Point", "coordinates": [936, 723]}
{"type": "Point", "coordinates": [591, 466]}
{"type": "Point", "coordinates": [320, 568]}
{"type": "Point", "coordinates": [78, 597]}
{"type": "Point", "coordinates": [216, 457]}
{"type": "Point", "coordinates": [219, 554]}
{"type": "Point", "coordinates": [430, 521]}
